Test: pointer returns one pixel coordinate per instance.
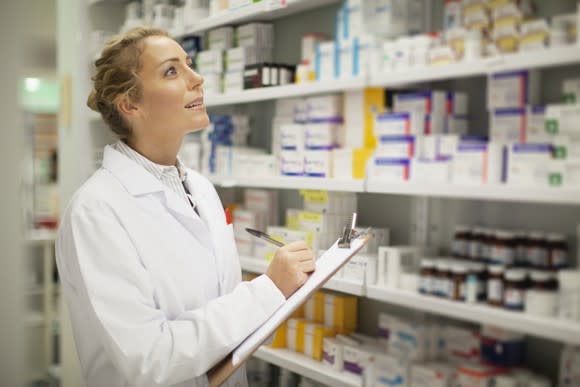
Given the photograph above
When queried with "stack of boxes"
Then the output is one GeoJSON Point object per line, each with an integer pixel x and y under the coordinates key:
{"type": "Point", "coordinates": [415, 135]}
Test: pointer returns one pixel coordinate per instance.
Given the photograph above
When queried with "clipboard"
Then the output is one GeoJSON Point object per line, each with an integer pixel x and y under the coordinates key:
{"type": "Point", "coordinates": [326, 266]}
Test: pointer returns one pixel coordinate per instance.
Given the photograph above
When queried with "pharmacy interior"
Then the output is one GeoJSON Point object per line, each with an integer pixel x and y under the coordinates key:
{"type": "Point", "coordinates": [451, 127]}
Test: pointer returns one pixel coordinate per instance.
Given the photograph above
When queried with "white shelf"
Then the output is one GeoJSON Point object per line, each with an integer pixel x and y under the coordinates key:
{"type": "Point", "coordinates": [553, 328]}
{"type": "Point", "coordinates": [287, 91]}
{"type": "Point", "coordinates": [291, 182]}
{"type": "Point", "coordinates": [557, 56]}
{"type": "Point", "coordinates": [264, 10]}
{"type": "Point", "coordinates": [258, 266]}
{"type": "Point", "coordinates": [34, 319]}
{"type": "Point", "coordinates": [308, 367]}
{"type": "Point", "coordinates": [485, 192]}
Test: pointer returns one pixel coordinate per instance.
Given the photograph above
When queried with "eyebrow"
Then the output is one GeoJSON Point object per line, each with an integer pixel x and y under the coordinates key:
{"type": "Point", "coordinates": [187, 59]}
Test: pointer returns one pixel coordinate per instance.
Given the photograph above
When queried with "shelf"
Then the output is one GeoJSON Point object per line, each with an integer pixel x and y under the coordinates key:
{"type": "Point", "coordinates": [287, 91]}
{"type": "Point", "coordinates": [54, 371]}
{"type": "Point", "coordinates": [307, 367]}
{"type": "Point", "coordinates": [291, 182]}
{"type": "Point", "coordinates": [485, 192]}
{"type": "Point", "coordinates": [258, 266]}
{"type": "Point", "coordinates": [557, 56]}
{"type": "Point", "coordinates": [35, 291]}
{"type": "Point", "coordinates": [41, 235]}
{"type": "Point", "coordinates": [262, 11]}
{"type": "Point", "coordinates": [34, 319]}
{"type": "Point", "coordinates": [553, 328]}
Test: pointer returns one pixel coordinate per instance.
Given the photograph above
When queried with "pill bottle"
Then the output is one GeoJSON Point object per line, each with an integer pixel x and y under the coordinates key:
{"type": "Point", "coordinates": [514, 289]}
{"type": "Point", "coordinates": [460, 243]}
{"type": "Point", "coordinates": [503, 248]}
{"type": "Point", "coordinates": [443, 279]}
{"type": "Point", "coordinates": [521, 240]}
{"type": "Point", "coordinates": [487, 242]}
{"type": "Point", "coordinates": [475, 244]}
{"type": "Point", "coordinates": [537, 251]}
{"type": "Point", "coordinates": [458, 281]}
{"type": "Point", "coordinates": [557, 251]}
{"type": "Point", "coordinates": [480, 271]}
{"type": "Point", "coordinates": [495, 285]}
{"type": "Point", "coordinates": [542, 280]}
{"type": "Point", "coordinates": [426, 276]}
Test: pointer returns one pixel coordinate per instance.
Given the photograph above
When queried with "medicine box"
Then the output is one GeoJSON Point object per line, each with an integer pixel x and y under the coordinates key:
{"type": "Point", "coordinates": [461, 344]}
{"type": "Point", "coordinates": [361, 269]}
{"type": "Point", "coordinates": [436, 170]}
{"type": "Point", "coordinates": [265, 250]}
{"type": "Point", "coordinates": [321, 135]}
{"type": "Point", "coordinates": [340, 312]}
{"type": "Point", "coordinates": [210, 62]}
{"type": "Point", "coordinates": [292, 137]}
{"type": "Point", "coordinates": [386, 325]}
{"type": "Point", "coordinates": [333, 353]}
{"type": "Point", "coordinates": [295, 335]}
{"type": "Point", "coordinates": [326, 61]}
{"type": "Point", "coordinates": [393, 170]}
{"type": "Point", "coordinates": [508, 125]}
{"type": "Point", "coordinates": [409, 340]}
{"type": "Point", "coordinates": [403, 123]}
{"type": "Point", "coordinates": [395, 147]}
{"type": "Point", "coordinates": [536, 124]}
{"type": "Point", "coordinates": [563, 119]}
{"type": "Point", "coordinates": [292, 163]}
{"type": "Point", "coordinates": [221, 38]}
{"type": "Point", "coordinates": [391, 371]}
{"type": "Point", "coordinates": [247, 219]}
{"type": "Point", "coordinates": [314, 308]}
{"type": "Point", "coordinates": [318, 163]}
{"type": "Point", "coordinates": [339, 203]}
{"type": "Point", "coordinates": [358, 358]}
{"type": "Point", "coordinates": [381, 237]}
{"type": "Point", "coordinates": [255, 34]}
{"type": "Point", "coordinates": [359, 109]}
{"type": "Point", "coordinates": [314, 335]}
{"type": "Point", "coordinates": [528, 164]}
{"type": "Point", "coordinates": [326, 108]}
{"type": "Point", "coordinates": [280, 336]}
{"type": "Point", "coordinates": [455, 124]}
{"type": "Point", "coordinates": [479, 163]}
{"type": "Point", "coordinates": [233, 82]}
{"type": "Point", "coordinates": [513, 89]}
{"type": "Point", "coordinates": [236, 59]}
{"type": "Point", "coordinates": [431, 375]}
{"type": "Point", "coordinates": [263, 201]}
{"type": "Point", "coordinates": [571, 91]}
{"type": "Point", "coordinates": [255, 165]}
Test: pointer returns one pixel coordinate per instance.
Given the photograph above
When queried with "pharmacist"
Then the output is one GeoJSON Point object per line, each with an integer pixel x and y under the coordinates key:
{"type": "Point", "coordinates": [146, 255]}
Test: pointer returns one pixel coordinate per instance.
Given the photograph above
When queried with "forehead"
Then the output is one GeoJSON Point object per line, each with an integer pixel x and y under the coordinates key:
{"type": "Point", "coordinates": [157, 49]}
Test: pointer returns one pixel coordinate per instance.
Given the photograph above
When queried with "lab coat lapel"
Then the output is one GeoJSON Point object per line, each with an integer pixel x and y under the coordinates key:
{"type": "Point", "coordinates": [139, 182]}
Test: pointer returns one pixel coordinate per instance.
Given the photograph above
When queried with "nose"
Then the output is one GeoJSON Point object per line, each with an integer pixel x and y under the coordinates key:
{"type": "Point", "coordinates": [195, 79]}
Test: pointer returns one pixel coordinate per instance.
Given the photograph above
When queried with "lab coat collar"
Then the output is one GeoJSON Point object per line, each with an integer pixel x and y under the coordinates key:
{"type": "Point", "coordinates": [133, 176]}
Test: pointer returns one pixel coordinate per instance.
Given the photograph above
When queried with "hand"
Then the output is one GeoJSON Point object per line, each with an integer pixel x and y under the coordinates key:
{"type": "Point", "coordinates": [290, 267]}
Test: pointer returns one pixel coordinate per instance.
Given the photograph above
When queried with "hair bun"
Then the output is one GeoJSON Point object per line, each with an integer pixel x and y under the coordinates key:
{"type": "Point", "coordinates": [92, 101]}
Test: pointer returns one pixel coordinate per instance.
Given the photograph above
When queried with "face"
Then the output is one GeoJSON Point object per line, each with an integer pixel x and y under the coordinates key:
{"type": "Point", "coordinates": [171, 103]}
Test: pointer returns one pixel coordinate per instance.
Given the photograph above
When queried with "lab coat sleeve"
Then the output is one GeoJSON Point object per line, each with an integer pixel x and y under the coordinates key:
{"type": "Point", "coordinates": [103, 266]}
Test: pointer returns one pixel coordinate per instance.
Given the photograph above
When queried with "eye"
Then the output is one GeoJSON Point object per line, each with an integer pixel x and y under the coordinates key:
{"type": "Point", "coordinates": [170, 71]}
{"type": "Point", "coordinates": [191, 65]}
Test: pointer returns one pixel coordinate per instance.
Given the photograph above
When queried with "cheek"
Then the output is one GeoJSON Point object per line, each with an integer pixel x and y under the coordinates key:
{"type": "Point", "coordinates": [163, 101]}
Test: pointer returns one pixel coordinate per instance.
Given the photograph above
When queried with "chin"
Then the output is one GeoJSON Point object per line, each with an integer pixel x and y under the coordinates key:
{"type": "Point", "coordinates": [199, 123]}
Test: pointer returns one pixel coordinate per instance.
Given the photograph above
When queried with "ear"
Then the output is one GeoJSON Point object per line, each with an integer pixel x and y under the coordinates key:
{"type": "Point", "coordinates": [126, 107]}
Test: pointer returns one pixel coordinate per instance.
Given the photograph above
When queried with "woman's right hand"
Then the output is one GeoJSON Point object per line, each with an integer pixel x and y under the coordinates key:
{"type": "Point", "coordinates": [290, 267]}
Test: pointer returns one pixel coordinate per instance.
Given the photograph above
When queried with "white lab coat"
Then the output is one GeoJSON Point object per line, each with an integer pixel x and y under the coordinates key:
{"type": "Point", "coordinates": [154, 292]}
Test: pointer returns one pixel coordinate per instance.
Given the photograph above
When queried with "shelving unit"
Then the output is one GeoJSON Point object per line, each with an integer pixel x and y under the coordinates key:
{"type": "Point", "coordinates": [262, 11]}
{"type": "Point", "coordinates": [553, 328]}
{"type": "Point", "coordinates": [308, 367]}
{"type": "Point", "coordinates": [290, 182]}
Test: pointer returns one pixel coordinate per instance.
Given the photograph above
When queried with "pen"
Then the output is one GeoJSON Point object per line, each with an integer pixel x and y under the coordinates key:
{"type": "Point", "coordinates": [264, 236]}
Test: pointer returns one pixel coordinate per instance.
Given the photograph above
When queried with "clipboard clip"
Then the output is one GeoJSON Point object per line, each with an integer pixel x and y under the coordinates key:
{"type": "Point", "coordinates": [348, 232]}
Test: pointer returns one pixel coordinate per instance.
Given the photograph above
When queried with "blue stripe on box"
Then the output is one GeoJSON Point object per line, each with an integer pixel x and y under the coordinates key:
{"type": "Point", "coordinates": [532, 148]}
{"type": "Point", "coordinates": [317, 62]}
{"type": "Point", "coordinates": [397, 139]}
{"type": "Point", "coordinates": [471, 138]}
{"type": "Point", "coordinates": [509, 74]}
{"type": "Point", "coordinates": [504, 164]}
{"type": "Point", "coordinates": [355, 56]}
{"type": "Point", "coordinates": [394, 116]}
{"type": "Point", "coordinates": [472, 147]}
{"type": "Point", "coordinates": [292, 174]}
{"type": "Point", "coordinates": [415, 95]}
{"type": "Point", "coordinates": [336, 54]}
{"type": "Point", "coordinates": [402, 162]}
{"type": "Point", "coordinates": [320, 147]}
{"type": "Point", "coordinates": [538, 109]}
{"type": "Point", "coordinates": [509, 112]}
{"type": "Point", "coordinates": [316, 174]}
{"type": "Point", "coordinates": [290, 148]}
{"type": "Point", "coordinates": [328, 120]}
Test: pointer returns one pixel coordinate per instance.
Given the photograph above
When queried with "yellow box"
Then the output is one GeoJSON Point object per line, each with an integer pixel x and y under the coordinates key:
{"type": "Point", "coordinates": [374, 103]}
{"type": "Point", "coordinates": [314, 308]}
{"type": "Point", "coordinates": [292, 220]}
{"type": "Point", "coordinates": [360, 156]}
{"type": "Point", "coordinates": [279, 340]}
{"type": "Point", "coordinates": [295, 335]}
{"type": "Point", "coordinates": [340, 312]}
{"type": "Point", "coordinates": [314, 335]}
{"type": "Point", "coordinates": [299, 313]}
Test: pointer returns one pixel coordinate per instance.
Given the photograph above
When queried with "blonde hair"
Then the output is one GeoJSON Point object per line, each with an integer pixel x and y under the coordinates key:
{"type": "Point", "coordinates": [116, 74]}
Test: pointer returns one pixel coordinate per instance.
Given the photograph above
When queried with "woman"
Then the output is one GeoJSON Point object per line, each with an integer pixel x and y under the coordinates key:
{"type": "Point", "coordinates": [147, 260]}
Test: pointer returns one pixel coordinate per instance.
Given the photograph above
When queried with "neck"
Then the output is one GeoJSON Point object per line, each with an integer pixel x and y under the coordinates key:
{"type": "Point", "coordinates": [160, 152]}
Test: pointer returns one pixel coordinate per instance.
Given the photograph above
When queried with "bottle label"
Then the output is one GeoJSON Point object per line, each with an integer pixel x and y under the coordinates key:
{"type": "Point", "coordinates": [462, 290]}
{"type": "Point", "coordinates": [503, 255]}
{"type": "Point", "coordinates": [538, 256]}
{"type": "Point", "coordinates": [425, 284]}
{"type": "Point", "coordinates": [495, 290]}
{"type": "Point", "coordinates": [514, 298]}
{"type": "Point", "coordinates": [474, 249]}
{"type": "Point", "coordinates": [459, 248]}
{"type": "Point", "coordinates": [559, 258]}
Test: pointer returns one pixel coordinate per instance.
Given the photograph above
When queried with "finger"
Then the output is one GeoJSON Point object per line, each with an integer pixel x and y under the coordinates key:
{"type": "Point", "coordinates": [302, 277]}
{"type": "Point", "coordinates": [296, 246]}
{"type": "Point", "coordinates": [303, 255]}
{"type": "Point", "coordinates": [308, 267]}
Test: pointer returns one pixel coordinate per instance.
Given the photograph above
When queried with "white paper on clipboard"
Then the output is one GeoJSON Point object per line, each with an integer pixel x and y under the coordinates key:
{"type": "Point", "coordinates": [326, 266]}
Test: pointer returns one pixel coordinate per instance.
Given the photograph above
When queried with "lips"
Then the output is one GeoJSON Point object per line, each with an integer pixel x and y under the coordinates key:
{"type": "Point", "coordinates": [195, 103]}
